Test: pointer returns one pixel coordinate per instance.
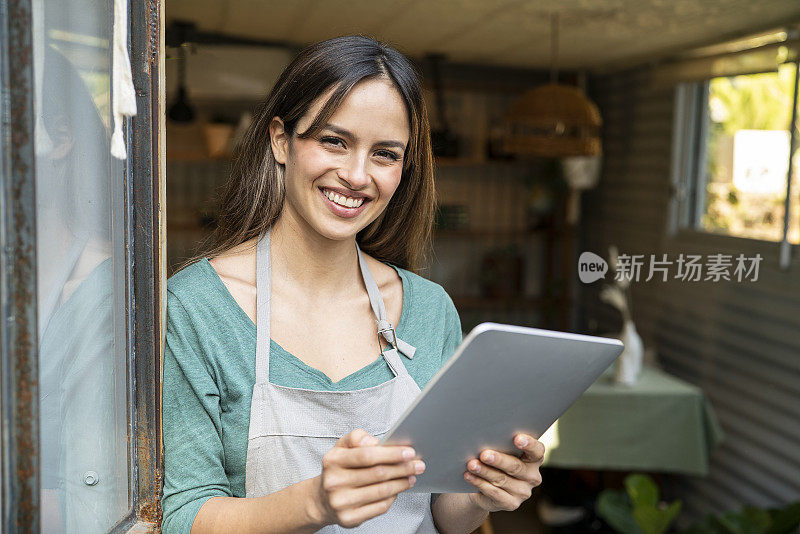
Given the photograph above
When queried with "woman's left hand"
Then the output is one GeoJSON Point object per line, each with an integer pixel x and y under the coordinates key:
{"type": "Point", "coordinates": [505, 481]}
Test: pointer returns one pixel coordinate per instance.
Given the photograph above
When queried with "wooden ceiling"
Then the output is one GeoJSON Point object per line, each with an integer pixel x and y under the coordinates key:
{"type": "Point", "coordinates": [592, 33]}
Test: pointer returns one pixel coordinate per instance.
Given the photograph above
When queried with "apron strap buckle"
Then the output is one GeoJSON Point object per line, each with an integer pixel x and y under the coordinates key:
{"type": "Point", "coordinates": [386, 330]}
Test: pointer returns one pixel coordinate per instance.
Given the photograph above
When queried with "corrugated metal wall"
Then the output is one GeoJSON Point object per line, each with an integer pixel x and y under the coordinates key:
{"type": "Point", "coordinates": [739, 341]}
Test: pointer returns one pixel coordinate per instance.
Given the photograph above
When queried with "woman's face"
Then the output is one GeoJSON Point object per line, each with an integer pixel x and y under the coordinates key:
{"type": "Point", "coordinates": [341, 179]}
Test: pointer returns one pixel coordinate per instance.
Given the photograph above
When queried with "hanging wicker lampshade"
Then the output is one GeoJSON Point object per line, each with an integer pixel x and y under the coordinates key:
{"type": "Point", "coordinates": [553, 121]}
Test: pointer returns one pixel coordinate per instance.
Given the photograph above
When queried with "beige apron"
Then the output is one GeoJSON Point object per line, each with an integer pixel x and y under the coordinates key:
{"type": "Point", "coordinates": [291, 428]}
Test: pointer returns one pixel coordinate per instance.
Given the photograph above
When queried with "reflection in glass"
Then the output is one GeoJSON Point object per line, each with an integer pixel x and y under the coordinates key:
{"type": "Point", "coordinates": [81, 273]}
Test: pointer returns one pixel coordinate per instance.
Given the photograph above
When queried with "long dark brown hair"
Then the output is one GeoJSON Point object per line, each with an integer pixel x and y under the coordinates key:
{"type": "Point", "coordinates": [253, 197]}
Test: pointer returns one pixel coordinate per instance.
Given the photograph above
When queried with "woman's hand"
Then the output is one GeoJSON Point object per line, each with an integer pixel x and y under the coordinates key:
{"type": "Point", "coordinates": [504, 481]}
{"type": "Point", "coordinates": [361, 480]}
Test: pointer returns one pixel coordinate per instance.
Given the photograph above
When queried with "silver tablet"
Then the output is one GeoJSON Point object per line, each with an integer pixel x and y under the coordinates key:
{"type": "Point", "coordinates": [501, 380]}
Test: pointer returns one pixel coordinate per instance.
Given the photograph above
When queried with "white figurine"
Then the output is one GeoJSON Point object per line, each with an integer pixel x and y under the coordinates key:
{"type": "Point", "coordinates": [628, 366]}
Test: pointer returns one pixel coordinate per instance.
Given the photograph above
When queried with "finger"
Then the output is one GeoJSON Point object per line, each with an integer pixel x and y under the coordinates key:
{"type": "Point", "coordinates": [510, 465]}
{"type": "Point", "coordinates": [348, 478]}
{"type": "Point", "coordinates": [369, 456]}
{"type": "Point", "coordinates": [352, 498]}
{"type": "Point", "coordinates": [357, 438]}
{"type": "Point", "coordinates": [500, 498]}
{"type": "Point", "coordinates": [515, 486]}
{"type": "Point", "coordinates": [533, 449]}
{"type": "Point", "coordinates": [354, 517]}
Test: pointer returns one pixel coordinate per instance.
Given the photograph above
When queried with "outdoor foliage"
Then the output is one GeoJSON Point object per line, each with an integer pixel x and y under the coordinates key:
{"type": "Point", "coordinates": [746, 102]}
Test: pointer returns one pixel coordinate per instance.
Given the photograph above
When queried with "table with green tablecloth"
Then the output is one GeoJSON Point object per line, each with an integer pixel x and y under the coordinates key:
{"type": "Point", "coordinates": [661, 424]}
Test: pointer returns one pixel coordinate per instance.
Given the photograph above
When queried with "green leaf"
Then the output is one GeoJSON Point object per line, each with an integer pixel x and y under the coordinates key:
{"type": "Point", "coordinates": [747, 521]}
{"type": "Point", "coordinates": [785, 520]}
{"type": "Point", "coordinates": [653, 520]}
{"type": "Point", "coordinates": [615, 509]}
{"type": "Point", "coordinates": [642, 490]}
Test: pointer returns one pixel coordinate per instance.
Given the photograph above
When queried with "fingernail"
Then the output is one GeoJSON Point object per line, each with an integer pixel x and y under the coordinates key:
{"type": "Point", "coordinates": [523, 441]}
{"type": "Point", "coordinates": [412, 479]}
{"type": "Point", "coordinates": [490, 457]}
{"type": "Point", "coordinates": [419, 467]}
{"type": "Point", "coordinates": [476, 467]}
{"type": "Point", "coordinates": [408, 453]}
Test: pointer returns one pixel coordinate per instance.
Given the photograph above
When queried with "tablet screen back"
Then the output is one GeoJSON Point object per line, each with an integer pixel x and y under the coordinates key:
{"type": "Point", "coordinates": [502, 380]}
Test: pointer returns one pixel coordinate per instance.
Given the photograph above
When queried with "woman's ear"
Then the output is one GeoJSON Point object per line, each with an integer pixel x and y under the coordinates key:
{"type": "Point", "coordinates": [278, 140]}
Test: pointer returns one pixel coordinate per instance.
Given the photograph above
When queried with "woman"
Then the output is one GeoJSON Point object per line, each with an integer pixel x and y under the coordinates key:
{"type": "Point", "coordinates": [274, 388]}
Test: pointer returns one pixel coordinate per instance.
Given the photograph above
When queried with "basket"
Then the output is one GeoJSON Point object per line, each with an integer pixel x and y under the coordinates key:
{"type": "Point", "coordinates": [553, 121]}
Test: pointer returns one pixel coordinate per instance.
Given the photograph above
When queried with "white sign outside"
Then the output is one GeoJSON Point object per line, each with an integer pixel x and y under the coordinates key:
{"type": "Point", "coordinates": [760, 161]}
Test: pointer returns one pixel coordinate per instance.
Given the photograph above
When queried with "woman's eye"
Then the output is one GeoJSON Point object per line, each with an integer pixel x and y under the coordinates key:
{"type": "Point", "coordinates": [388, 154]}
{"type": "Point", "coordinates": [332, 141]}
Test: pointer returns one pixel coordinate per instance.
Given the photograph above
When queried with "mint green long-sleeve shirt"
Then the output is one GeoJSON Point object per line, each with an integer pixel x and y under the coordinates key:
{"type": "Point", "coordinates": [209, 373]}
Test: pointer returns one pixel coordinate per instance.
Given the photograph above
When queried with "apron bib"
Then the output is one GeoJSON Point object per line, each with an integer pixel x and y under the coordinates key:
{"type": "Point", "coordinates": [292, 428]}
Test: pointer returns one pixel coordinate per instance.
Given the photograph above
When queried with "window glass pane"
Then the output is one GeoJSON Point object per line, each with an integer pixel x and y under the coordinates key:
{"type": "Point", "coordinates": [747, 155]}
{"type": "Point", "coordinates": [81, 274]}
{"type": "Point", "coordinates": [794, 209]}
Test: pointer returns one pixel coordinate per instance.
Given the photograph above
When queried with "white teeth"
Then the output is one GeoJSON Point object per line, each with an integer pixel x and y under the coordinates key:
{"type": "Point", "coordinates": [343, 200]}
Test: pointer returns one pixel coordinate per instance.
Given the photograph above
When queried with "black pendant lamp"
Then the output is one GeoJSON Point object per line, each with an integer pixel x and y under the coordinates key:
{"type": "Point", "coordinates": [181, 109]}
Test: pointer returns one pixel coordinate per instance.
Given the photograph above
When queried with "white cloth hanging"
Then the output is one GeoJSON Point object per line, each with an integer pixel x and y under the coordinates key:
{"type": "Point", "coordinates": [123, 97]}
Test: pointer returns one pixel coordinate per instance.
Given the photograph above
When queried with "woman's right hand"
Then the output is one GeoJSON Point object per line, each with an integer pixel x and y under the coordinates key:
{"type": "Point", "coordinates": [361, 479]}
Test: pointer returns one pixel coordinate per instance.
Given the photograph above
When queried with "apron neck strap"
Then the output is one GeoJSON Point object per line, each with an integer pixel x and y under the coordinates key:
{"type": "Point", "coordinates": [263, 293]}
{"type": "Point", "coordinates": [385, 328]}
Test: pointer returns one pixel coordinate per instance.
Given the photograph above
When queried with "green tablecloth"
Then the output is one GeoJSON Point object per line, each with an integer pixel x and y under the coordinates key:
{"type": "Point", "coordinates": [660, 424]}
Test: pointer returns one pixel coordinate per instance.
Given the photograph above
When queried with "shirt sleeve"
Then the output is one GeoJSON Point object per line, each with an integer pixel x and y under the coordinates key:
{"type": "Point", "coordinates": [193, 453]}
{"type": "Point", "coordinates": [453, 330]}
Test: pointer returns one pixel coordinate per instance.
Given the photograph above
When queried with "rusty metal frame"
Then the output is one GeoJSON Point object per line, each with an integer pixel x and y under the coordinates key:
{"type": "Point", "coordinates": [18, 338]}
{"type": "Point", "coordinates": [147, 169]}
{"type": "Point", "coordinates": [144, 172]}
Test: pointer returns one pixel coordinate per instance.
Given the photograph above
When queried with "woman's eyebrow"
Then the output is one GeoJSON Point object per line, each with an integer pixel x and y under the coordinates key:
{"type": "Point", "coordinates": [346, 133]}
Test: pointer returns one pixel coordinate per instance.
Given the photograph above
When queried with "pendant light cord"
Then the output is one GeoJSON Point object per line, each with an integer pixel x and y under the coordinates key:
{"type": "Point", "coordinates": [554, 48]}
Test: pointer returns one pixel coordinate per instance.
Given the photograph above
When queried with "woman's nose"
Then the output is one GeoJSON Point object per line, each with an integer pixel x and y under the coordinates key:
{"type": "Point", "coordinates": [355, 172]}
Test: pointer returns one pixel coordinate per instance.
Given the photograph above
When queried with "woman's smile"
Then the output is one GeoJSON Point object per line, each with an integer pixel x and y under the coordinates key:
{"type": "Point", "coordinates": [344, 204]}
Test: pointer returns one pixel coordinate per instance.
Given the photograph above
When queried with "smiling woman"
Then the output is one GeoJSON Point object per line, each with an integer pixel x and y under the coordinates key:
{"type": "Point", "coordinates": [302, 334]}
